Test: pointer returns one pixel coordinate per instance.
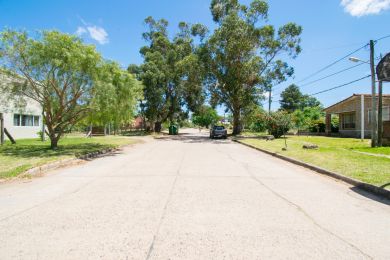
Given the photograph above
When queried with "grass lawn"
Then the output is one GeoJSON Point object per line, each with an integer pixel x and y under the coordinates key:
{"type": "Point", "coordinates": [29, 153]}
{"type": "Point", "coordinates": [340, 155]}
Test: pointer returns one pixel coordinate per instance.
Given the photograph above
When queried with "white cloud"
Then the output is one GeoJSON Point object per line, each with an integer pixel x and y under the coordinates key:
{"type": "Point", "coordinates": [365, 7]}
{"type": "Point", "coordinates": [98, 34]}
{"type": "Point", "coordinates": [95, 32]}
{"type": "Point", "coordinates": [80, 31]}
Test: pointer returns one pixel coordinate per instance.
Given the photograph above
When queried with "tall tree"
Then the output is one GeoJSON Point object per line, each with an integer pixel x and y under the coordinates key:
{"type": "Point", "coordinates": [115, 96]}
{"type": "Point", "coordinates": [171, 72]}
{"type": "Point", "coordinates": [59, 73]}
{"type": "Point", "coordinates": [243, 55]}
{"type": "Point", "coordinates": [205, 116]}
{"type": "Point", "coordinates": [291, 98]}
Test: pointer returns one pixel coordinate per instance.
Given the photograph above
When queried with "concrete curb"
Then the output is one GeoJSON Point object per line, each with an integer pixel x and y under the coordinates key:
{"type": "Point", "coordinates": [36, 171]}
{"type": "Point", "coordinates": [359, 184]}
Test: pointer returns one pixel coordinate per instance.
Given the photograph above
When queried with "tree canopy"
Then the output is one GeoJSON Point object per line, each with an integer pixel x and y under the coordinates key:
{"type": "Point", "coordinates": [171, 72]}
{"type": "Point", "coordinates": [68, 78]}
{"type": "Point", "coordinates": [115, 96]}
{"type": "Point", "coordinates": [205, 116]}
{"type": "Point", "coordinates": [59, 71]}
{"type": "Point", "coordinates": [293, 99]}
{"type": "Point", "coordinates": [243, 54]}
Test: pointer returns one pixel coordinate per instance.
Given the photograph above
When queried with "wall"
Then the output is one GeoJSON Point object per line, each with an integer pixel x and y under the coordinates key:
{"type": "Point", "coordinates": [9, 106]}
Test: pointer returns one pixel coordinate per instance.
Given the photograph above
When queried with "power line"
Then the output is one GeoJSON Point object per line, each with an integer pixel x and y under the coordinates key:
{"type": "Point", "coordinates": [331, 64]}
{"type": "Point", "coordinates": [333, 74]}
{"type": "Point", "coordinates": [337, 61]}
{"type": "Point", "coordinates": [384, 37]}
{"type": "Point", "coordinates": [342, 85]}
{"type": "Point", "coordinates": [329, 89]}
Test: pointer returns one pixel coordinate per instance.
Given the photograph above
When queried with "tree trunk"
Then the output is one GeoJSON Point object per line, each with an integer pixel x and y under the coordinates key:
{"type": "Point", "coordinates": [237, 128]}
{"type": "Point", "coordinates": [53, 142]}
{"type": "Point", "coordinates": [157, 127]}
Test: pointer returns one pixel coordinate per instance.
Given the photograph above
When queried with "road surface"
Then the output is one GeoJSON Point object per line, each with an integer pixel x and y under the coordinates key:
{"type": "Point", "coordinates": [189, 197]}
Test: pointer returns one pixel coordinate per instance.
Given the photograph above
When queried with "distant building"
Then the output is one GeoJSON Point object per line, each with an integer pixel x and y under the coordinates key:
{"type": "Point", "coordinates": [21, 120]}
{"type": "Point", "coordinates": [355, 114]}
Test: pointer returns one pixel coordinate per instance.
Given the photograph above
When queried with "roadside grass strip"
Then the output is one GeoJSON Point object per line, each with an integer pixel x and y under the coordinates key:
{"type": "Point", "coordinates": [30, 153]}
{"type": "Point", "coordinates": [340, 155]}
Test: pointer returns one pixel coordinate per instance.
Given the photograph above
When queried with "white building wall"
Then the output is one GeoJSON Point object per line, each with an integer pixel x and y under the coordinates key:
{"type": "Point", "coordinates": [9, 108]}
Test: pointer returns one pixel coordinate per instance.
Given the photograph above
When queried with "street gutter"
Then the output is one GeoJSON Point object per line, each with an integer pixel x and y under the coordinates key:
{"type": "Point", "coordinates": [359, 184]}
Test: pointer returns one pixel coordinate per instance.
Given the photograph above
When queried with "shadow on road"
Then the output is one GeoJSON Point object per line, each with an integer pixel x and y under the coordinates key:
{"type": "Point", "coordinates": [370, 195]}
{"type": "Point", "coordinates": [191, 138]}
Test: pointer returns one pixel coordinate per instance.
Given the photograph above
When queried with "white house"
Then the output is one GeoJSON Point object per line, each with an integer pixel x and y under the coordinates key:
{"type": "Point", "coordinates": [21, 121]}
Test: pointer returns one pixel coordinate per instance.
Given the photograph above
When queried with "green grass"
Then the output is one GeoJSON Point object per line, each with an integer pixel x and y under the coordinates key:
{"type": "Point", "coordinates": [335, 154]}
{"type": "Point", "coordinates": [29, 153]}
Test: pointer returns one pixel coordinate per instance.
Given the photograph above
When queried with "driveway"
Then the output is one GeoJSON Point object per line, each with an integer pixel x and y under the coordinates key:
{"type": "Point", "coordinates": [189, 197]}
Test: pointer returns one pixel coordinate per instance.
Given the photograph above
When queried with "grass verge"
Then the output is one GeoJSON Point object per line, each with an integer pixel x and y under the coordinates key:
{"type": "Point", "coordinates": [340, 155]}
{"type": "Point", "coordinates": [30, 153]}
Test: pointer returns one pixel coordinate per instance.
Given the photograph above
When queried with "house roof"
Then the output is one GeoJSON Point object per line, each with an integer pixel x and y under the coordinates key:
{"type": "Point", "coordinates": [352, 97]}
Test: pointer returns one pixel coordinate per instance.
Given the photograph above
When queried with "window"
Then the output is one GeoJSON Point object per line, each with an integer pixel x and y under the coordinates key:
{"type": "Point", "coordinates": [26, 120]}
{"type": "Point", "coordinates": [385, 114]}
{"type": "Point", "coordinates": [36, 120]}
{"type": "Point", "coordinates": [16, 120]}
{"type": "Point", "coordinates": [349, 120]}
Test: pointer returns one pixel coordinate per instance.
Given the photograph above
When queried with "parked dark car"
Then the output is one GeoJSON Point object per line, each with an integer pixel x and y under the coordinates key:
{"type": "Point", "coordinates": [218, 131]}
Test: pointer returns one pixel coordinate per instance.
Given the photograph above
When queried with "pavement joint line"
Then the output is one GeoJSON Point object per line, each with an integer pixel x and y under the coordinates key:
{"type": "Point", "coordinates": [151, 247]}
{"type": "Point", "coordinates": [297, 207]}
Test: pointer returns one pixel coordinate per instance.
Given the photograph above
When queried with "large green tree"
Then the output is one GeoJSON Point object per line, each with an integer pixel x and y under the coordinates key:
{"type": "Point", "coordinates": [243, 55]}
{"type": "Point", "coordinates": [171, 72]}
{"type": "Point", "coordinates": [59, 73]}
{"type": "Point", "coordinates": [205, 117]}
{"type": "Point", "coordinates": [293, 99]}
{"type": "Point", "coordinates": [115, 96]}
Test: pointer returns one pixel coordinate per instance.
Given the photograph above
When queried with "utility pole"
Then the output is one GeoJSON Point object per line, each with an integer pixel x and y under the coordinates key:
{"type": "Point", "coordinates": [269, 100]}
{"type": "Point", "coordinates": [373, 93]}
{"type": "Point", "coordinates": [380, 121]}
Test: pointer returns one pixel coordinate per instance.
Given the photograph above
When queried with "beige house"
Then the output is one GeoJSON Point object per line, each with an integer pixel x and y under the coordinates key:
{"type": "Point", "coordinates": [355, 116]}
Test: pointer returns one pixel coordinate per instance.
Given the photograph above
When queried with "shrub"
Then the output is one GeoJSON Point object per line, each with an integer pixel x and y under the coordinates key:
{"type": "Point", "coordinates": [259, 123]}
{"type": "Point", "coordinates": [278, 123]}
{"type": "Point", "coordinates": [317, 126]}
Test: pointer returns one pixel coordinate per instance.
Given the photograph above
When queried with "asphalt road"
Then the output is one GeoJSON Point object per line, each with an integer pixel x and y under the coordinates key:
{"type": "Point", "coordinates": [189, 197]}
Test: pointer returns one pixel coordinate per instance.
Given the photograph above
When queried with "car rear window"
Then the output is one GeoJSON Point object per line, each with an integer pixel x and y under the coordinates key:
{"type": "Point", "coordinates": [219, 127]}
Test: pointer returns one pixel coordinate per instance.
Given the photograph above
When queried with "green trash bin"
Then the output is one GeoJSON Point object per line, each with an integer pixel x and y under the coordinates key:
{"type": "Point", "coordinates": [173, 130]}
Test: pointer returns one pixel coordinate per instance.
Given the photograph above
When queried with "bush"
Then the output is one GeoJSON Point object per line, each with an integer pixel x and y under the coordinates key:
{"type": "Point", "coordinates": [278, 123]}
{"type": "Point", "coordinates": [317, 126]}
{"type": "Point", "coordinates": [259, 123]}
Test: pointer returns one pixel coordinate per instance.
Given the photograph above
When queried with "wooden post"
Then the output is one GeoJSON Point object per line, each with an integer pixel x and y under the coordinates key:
{"type": "Point", "coordinates": [43, 128]}
{"type": "Point", "coordinates": [374, 126]}
{"type": "Point", "coordinates": [380, 111]}
{"type": "Point", "coordinates": [1, 128]}
{"type": "Point", "coordinates": [9, 136]}
{"type": "Point", "coordinates": [328, 124]}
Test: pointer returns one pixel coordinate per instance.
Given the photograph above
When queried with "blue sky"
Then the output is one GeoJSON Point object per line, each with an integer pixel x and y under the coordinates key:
{"type": "Point", "coordinates": [332, 29]}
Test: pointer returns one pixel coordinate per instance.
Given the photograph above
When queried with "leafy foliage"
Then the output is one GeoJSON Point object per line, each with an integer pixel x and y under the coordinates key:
{"type": "Point", "coordinates": [205, 117]}
{"type": "Point", "coordinates": [171, 72]}
{"type": "Point", "coordinates": [115, 96]}
{"type": "Point", "coordinates": [58, 71]}
{"type": "Point", "coordinates": [293, 99]}
{"type": "Point", "coordinates": [308, 118]}
{"type": "Point", "coordinates": [279, 123]}
{"type": "Point", "coordinates": [255, 118]}
{"type": "Point", "coordinates": [241, 56]}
